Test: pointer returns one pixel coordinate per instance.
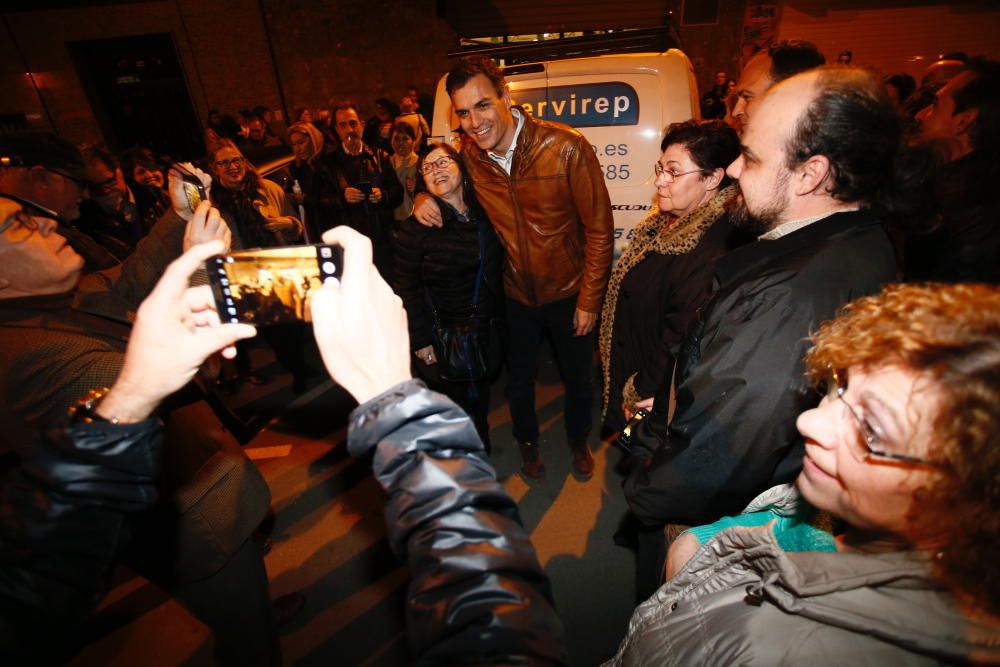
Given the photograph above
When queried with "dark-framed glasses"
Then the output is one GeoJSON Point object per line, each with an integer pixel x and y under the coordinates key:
{"type": "Point", "coordinates": [671, 175]}
{"type": "Point", "coordinates": [434, 165]}
{"type": "Point", "coordinates": [226, 164]}
{"type": "Point", "coordinates": [21, 226]}
{"type": "Point", "coordinates": [871, 442]}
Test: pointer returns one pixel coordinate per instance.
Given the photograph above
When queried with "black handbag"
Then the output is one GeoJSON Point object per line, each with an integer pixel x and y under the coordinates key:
{"type": "Point", "coordinates": [468, 349]}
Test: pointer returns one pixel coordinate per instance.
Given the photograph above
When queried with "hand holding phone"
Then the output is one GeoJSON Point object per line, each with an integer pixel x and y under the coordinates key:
{"type": "Point", "coordinates": [188, 187]}
{"type": "Point", "coordinates": [359, 322]}
{"type": "Point", "coordinates": [206, 225]}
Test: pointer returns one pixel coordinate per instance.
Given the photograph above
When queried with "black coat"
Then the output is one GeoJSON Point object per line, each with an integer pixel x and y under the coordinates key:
{"type": "Point", "coordinates": [657, 301]}
{"type": "Point", "coordinates": [443, 261]}
{"type": "Point", "coordinates": [741, 380]}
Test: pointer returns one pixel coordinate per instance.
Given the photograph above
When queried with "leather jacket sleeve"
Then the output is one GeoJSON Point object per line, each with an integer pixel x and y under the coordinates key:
{"type": "Point", "coordinates": [478, 594]}
{"type": "Point", "coordinates": [62, 520]}
{"type": "Point", "coordinates": [593, 203]}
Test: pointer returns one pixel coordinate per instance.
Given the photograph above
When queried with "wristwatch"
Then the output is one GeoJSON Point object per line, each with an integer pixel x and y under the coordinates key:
{"type": "Point", "coordinates": [85, 411]}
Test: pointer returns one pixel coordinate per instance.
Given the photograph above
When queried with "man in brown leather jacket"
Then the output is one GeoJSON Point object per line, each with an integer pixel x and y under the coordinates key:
{"type": "Point", "coordinates": [543, 189]}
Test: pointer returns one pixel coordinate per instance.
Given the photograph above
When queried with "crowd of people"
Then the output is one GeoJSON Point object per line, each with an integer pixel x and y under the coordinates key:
{"type": "Point", "coordinates": [815, 476]}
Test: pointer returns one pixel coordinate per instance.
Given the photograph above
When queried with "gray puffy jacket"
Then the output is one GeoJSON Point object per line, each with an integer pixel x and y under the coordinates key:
{"type": "Point", "coordinates": [742, 600]}
{"type": "Point", "coordinates": [478, 594]}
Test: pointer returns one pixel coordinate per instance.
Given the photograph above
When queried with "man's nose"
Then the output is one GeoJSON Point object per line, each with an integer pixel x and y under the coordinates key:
{"type": "Point", "coordinates": [735, 168]}
{"type": "Point", "coordinates": [46, 225]}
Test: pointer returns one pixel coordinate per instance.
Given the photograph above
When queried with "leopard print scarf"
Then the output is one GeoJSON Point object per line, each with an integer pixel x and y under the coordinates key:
{"type": "Point", "coordinates": [656, 234]}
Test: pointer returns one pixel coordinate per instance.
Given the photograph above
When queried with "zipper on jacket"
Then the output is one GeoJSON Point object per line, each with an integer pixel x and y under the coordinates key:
{"type": "Point", "coordinates": [529, 282]}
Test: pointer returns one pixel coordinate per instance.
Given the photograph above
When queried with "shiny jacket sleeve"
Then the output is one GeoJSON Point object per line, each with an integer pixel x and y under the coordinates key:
{"type": "Point", "coordinates": [478, 594]}
{"type": "Point", "coordinates": [593, 205]}
{"type": "Point", "coordinates": [62, 519]}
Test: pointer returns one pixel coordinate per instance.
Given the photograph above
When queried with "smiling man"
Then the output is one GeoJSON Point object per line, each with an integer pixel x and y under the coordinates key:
{"type": "Point", "coordinates": [542, 188]}
{"type": "Point", "coordinates": [815, 155]}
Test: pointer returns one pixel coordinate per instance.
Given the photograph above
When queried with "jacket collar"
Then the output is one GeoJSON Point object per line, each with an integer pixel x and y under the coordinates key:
{"type": "Point", "coordinates": [750, 258]}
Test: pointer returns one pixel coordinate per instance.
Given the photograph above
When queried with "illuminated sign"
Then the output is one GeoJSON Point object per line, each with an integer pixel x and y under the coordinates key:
{"type": "Point", "coordinates": [583, 105]}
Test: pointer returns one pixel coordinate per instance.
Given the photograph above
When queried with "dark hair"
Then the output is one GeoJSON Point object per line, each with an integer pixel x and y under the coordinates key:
{"type": "Point", "coordinates": [405, 128]}
{"type": "Point", "coordinates": [260, 110]}
{"type": "Point", "coordinates": [139, 156]}
{"type": "Point", "coordinates": [468, 194]}
{"type": "Point", "coordinates": [789, 57]}
{"type": "Point", "coordinates": [344, 105]}
{"type": "Point", "coordinates": [712, 144]}
{"type": "Point", "coordinates": [98, 154]}
{"type": "Point", "coordinates": [903, 83]}
{"type": "Point", "coordinates": [982, 92]}
{"type": "Point", "coordinates": [473, 66]}
{"type": "Point", "coordinates": [298, 113]}
{"type": "Point", "coordinates": [852, 123]}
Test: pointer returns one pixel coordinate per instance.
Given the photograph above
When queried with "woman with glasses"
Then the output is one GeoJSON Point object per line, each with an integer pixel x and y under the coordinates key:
{"type": "Point", "coordinates": [448, 274]}
{"type": "Point", "coordinates": [664, 274]}
{"type": "Point", "coordinates": [884, 550]}
{"type": "Point", "coordinates": [258, 212]}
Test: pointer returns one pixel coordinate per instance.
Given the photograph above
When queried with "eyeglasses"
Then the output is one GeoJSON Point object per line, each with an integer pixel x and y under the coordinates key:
{"type": "Point", "coordinates": [660, 170]}
{"type": "Point", "coordinates": [226, 164]}
{"type": "Point", "coordinates": [435, 165]}
{"type": "Point", "coordinates": [76, 179]}
{"type": "Point", "coordinates": [21, 226]}
{"type": "Point", "coordinates": [105, 186]}
{"type": "Point", "coordinates": [867, 446]}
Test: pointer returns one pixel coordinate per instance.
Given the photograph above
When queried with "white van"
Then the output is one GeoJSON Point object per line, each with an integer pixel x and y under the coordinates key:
{"type": "Point", "coordinates": [621, 103]}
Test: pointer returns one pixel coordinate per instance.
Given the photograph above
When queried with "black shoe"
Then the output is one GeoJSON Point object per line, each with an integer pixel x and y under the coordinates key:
{"type": "Point", "coordinates": [532, 466]}
{"type": "Point", "coordinates": [286, 607]}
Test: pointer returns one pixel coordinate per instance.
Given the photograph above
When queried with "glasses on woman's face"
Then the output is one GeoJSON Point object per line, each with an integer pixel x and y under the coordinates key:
{"type": "Point", "coordinates": [431, 166]}
{"type": "Point", "coordinates": [226, 164]}
{"type": "Point", "coordinates": [670, 174]}
{"type": "Point", "coordinates": [870, 443]}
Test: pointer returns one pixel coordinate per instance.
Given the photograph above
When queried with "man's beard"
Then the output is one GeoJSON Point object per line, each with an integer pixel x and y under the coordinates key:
{"type": "Point", "coordinates": [766, 218]}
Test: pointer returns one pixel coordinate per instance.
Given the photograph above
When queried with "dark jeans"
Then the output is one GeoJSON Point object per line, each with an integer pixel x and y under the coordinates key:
{"type": "Point", "coordinates": [235, 603]}
{"type": "Point", "coordinates": [574, 354]}
{"type": "Point", "coordinates": [477, 407]}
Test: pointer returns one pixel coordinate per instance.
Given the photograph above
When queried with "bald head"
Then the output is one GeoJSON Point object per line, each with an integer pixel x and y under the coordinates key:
{"type": "Point", "coordinates": [819, 142]}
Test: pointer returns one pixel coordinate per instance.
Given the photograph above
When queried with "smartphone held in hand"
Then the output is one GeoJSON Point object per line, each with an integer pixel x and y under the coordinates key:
{"type": "Point", "coordinates": [273, 285]}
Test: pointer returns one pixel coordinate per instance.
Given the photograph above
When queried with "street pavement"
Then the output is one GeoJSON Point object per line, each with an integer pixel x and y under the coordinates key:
{"type": "Point", "coordinates": [329, 542]}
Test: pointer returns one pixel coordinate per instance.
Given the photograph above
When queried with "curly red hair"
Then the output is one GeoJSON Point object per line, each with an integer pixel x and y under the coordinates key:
{"type": "Point", "coordinates": [949, 334]}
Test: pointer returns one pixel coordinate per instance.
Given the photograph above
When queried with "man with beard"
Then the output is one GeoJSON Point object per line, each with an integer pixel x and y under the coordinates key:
{"type": "Point", "coordinates": [815, 155]}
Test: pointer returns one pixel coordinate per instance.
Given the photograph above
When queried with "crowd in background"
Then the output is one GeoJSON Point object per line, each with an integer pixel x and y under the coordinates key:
{"type": "Point", "coordinates": [803, 188]}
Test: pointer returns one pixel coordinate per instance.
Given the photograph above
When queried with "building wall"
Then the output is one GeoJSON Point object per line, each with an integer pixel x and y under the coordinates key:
{"type": "Point", "coordinates": [894, 36]}
{"type": "Point", "coordinates": [325, 50]}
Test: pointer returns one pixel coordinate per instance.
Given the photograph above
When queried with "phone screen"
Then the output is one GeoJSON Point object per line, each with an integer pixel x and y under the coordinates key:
{"type": "Point", "coordinates": [274, 285]}
{"type": "Point", "coordinates": [194, 192]}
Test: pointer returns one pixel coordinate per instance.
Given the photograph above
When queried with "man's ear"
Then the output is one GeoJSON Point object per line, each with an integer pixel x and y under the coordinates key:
{"type": "Point", "coordinates": [506, 96]}
{"type": "Point", "coordinates": [964, 120]}
{"type": "Point", "coordinates": [812, 174]}
{"type": "Point", "coordinates": [39, 176]}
